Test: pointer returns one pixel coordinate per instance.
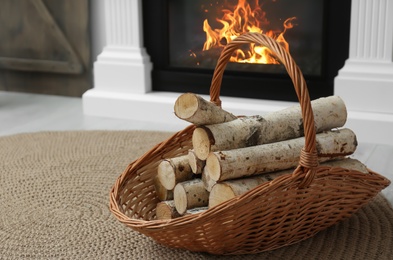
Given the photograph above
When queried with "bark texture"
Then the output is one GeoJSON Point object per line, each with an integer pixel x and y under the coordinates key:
{"type": "Point", "coordinates": [229, 189]}
{"type": "Point", "coordinates": [242, 162]}
{"type": "Point", "coordinates": [329, 113]}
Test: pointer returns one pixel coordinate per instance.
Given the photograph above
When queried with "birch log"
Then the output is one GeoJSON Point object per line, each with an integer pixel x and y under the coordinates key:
{"type": "Point", "coordinates": [174, 170]}
{"type": "Point", "coordinates": [242, 162]}
{"type": "Point", "coordinates": [194, 109]}
{"type": "Point", "coordinates": [329, 113]}
{"type": "Point", "coordinates": [207, 180]}
{"type": "Point", "coordinates": [166, 210]}
{"type": "Point", "coordinates": [196, 164]}
{"type": "Point", "coordinates": [190, 194]}
{"type": "Point", "coordinates": [242, 132]}
{"type": "Point", "coordinates": [161, 191]}
{"type": "Point", "coordinates": [226, 190]}
{"type": "Point", "coordinates": [195, 210]}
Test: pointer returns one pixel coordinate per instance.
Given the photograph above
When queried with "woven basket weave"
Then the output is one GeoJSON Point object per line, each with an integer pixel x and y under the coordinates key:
{"type": "Point", "coordinates": [284, 211]}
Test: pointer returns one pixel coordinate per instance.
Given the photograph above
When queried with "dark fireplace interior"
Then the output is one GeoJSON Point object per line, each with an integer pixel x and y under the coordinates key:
{"type": "Point", "coordinates": [185, 39]}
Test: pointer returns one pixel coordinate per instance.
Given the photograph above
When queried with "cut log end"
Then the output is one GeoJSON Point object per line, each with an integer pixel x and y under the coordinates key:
{"type": "Point", "coordinates": [196, 164]}
{"type": "Point", "coordinates": [166, 210]}
{"type": "Point", "coordinates": [186, 106]}
{"type": "Point", "coordinates": [220, 193]}
{"type": "Point", "coordinates": [213, 167]}
{"type": "Point", "coordinates": [166, 175]}
{"type": "Point", "coordinates": [208, 183]}
{"type": "Point", "coordinates": [161, 191]}
{"type": "Point", "coordinates": [180, 198]}
{"type": "Point", "coordinates": [198, 111]}
{"type": "Point", "coordinates": [202, 142]}
{"type": "Point", "coordinates": [190, 194]}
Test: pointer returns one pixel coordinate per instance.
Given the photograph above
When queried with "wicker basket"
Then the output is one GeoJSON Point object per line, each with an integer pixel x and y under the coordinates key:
{"type": "Point", "coordinates": [284, 211]}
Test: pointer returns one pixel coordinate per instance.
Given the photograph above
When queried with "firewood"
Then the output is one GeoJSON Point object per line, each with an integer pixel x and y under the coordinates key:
{"type": "Point", "coordinates": [207, 180]}
{"type": "Point", "coordinates": [242, 132]}
{"type": "Point", "coordinates": [161, 191]}
{"type": "Point", "coordinates": [236, 163]}
{"type": "Point", "coordinates": [166, 210]}
{"type": "Point", "coordinates": [190, 194]}
{"type": "Point", "coordinates": [196, 164]}
{"type": "Point", "coordinates": [174, 170]}
{"type": "Point", "coordinates": [329, 113]}
{"type": "Point", "coordinates": [195, 210]}
{"type": "Point", "coordinates": [226, 190]}
{"type": "Point", "coordinates": [194, 109]}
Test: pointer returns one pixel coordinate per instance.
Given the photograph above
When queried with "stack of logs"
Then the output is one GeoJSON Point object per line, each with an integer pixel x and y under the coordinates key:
{"type": "Point", "coordinates": [232, 155]}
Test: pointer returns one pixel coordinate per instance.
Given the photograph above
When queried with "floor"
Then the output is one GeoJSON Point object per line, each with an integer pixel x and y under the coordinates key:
{"type": "Point", "coordinates": [22, 112]}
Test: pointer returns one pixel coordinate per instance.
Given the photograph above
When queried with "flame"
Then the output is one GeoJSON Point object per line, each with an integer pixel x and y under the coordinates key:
{"type": "Point", "coordinates": [245, 19]}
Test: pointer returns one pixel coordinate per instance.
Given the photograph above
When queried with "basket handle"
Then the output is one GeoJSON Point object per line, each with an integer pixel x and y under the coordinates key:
{"type": "Point", "coordinates": [308, 157]}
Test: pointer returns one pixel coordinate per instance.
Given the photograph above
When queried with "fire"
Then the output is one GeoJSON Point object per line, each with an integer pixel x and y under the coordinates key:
{"type": "Point", "coordinates": [243, 19]}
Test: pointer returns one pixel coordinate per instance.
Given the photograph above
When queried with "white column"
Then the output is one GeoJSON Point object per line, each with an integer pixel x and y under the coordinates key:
{"type": "Point", "coordinates": [123, 66]}
{"type": "Point", "coordinates": [122, 72]}
{"type": "Point", "coordinates": [366, 80]}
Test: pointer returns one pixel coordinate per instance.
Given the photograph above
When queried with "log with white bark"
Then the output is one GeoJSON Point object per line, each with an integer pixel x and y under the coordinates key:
{"type": "Point", "coordinates": [242, 132]}
{"type": "Point", "coordinates": [190, 194]}
{"type": "Point", "coordinates": [166, 210]}
{"type": "Point", "coordinates": [196, 164]}
{"type": "Point", "coordinates": [242, 162]}
{"type": "Point", "coordinates": [194, 109]}
{"type": "Point", "coordinates": [226, 190]}
{"type": "Point", "coordinates": [161, 191]}
{"type": "Point", "coordinates": [329, 113]}
{"type": "Point", "coordinates": [207, 180]}
{"type": "Point", "coordinates": [174, 170]}
{"type": "Point", "coordinates": [195, 210]}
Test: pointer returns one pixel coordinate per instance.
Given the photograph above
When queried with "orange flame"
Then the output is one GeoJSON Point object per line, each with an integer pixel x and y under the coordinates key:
{"type": "Point", "coordinates": [244, 19]}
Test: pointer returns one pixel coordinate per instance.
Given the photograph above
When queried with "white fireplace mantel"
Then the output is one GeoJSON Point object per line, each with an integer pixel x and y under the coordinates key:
{"type": "Point", "coordinates": [122, 81]}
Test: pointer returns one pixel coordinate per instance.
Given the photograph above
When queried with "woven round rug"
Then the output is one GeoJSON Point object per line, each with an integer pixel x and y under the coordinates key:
{"type": "Point", "coordinates": [54, 204]}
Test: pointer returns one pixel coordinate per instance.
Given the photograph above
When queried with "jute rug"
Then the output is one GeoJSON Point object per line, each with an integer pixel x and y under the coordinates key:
{"type": "Point", "coordinates": [54, 204]}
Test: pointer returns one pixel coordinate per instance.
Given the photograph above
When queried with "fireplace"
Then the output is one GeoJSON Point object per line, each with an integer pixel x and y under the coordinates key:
{"type": "Point", "coordinates": [316, 33]}
{"type": "Point", "coordinates": [122, 71]}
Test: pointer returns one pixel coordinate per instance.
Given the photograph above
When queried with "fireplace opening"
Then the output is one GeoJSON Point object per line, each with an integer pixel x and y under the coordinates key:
{"type": "Point", "coordinates": [185, 39]}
